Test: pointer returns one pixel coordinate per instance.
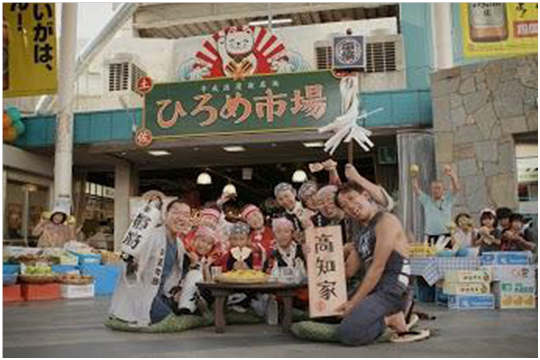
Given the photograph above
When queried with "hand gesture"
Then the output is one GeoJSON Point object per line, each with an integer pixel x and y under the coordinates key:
{"type": "Point", "coordinates": [448, 170]}
{"type": "Point", "coordinates": [345, 309]}
{"type": "Point", "coordinates": [351, 173]}
{"type": "Point", "coordinates": [329, 165]}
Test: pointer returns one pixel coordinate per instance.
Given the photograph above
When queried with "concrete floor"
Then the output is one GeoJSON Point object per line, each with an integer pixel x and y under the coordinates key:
{"type": "Point", "coordinates": [74, 329]}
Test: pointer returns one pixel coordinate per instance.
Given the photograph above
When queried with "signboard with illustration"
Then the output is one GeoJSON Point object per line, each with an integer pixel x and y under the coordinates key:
{"type": "Point", "coordinates": [241, 51]}
{"type": "Point", "coordinates": [29, 45]}
{"type": "Point", "coordinates": [499, 29]}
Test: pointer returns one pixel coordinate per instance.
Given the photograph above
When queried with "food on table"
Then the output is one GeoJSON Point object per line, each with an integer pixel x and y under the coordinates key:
{"type": "Point", "coordinates": [242, 276]}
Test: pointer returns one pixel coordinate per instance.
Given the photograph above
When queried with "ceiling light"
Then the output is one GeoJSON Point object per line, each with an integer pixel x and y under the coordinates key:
{"type": "Point", "coordinates": [204, 178]}
{"type": "Point", "coordinates": [159, 153]}
{"type": "Point", "coordinates": [234, 148]}
{"type": "Point", "coordinates": [229, 189]}
{"type": "Point", "coordinates": [318, 144]}
{"type": "Point", "coordinates": [247, 173]}
{"type": "Point", "coordinates": [299, 176]}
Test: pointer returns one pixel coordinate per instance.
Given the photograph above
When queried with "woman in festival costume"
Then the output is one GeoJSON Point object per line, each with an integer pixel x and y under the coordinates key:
{"type": "Point", "coordinates": [306, 194]}
{"type": "Point", "coordinates": [288, 254]}
{"type": "Point", "coordinates": [150, 279]}
{"type": "Point", "coordinates": [293, 210]}
{"type": "Point", "coordinates": [210, 217]}
{"type": "Point", "coordinates": [261, 235]}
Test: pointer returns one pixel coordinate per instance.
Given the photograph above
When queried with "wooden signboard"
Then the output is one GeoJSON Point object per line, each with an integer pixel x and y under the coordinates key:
{"type": "Point", "coordinates": [326, 270]}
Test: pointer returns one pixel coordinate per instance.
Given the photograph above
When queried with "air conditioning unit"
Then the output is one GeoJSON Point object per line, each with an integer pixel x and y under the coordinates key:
{"type": "Point", "coordinates": [121, 74]}
{"type": "Point", "coordinates": [385, 68]}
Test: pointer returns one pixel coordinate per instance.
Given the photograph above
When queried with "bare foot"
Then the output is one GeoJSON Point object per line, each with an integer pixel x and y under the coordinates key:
{"type": "Point", "coordinates": [396, 322]}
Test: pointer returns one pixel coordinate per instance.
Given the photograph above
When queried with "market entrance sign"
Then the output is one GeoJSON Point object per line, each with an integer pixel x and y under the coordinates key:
{"type": "Point", "coordinates": [256, 104]}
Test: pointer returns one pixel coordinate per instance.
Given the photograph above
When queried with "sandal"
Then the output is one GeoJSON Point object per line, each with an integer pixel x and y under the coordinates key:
{"type": "Point", "coordinates": [411, 336]}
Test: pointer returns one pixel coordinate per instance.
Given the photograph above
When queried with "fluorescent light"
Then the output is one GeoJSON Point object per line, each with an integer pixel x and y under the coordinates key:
{"type": "Point", "coordinates": [204, 179]}
{"type": "Point", "coordinates": [159, 152]}
{"type": "Point", "coordinates": [234, 148]}
{"type": "Point", "coordinates": [274, 22]}
{"type": "Point", "coordinates": [299, 176]}
{"type": "Point", "coordinates": [315, 144]}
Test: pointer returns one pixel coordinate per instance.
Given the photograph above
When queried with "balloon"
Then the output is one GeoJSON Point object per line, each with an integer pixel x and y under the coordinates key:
{"type": "Point", "coordinates": [19, 126]}
{"type": "Point", "coordinates": [10, 134]}
{"type": "Point", "coordinates": [14, 113]}
{"type": "Point", "coordinates": [7, 120]}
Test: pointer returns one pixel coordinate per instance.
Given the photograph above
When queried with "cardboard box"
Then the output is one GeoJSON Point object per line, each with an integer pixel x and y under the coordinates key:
{"type": "Point", "coordinates": [31, 292]}
{"type": "Point", "coordinates": [469, 276]}
{"type": "Point", "coordinates": [513, 273]}
{"type": "Point", "coordinates": [471, 302]}
{"type": "Point", "coordinates": [506, 258]}
{"type": "Point", "coordinates": [504, 287]}
{"type": "Point", "coordinates": [515, 301]}
{"type": "Point", "coordinates": [451, 288]}
{"type": "Point", "coordinates": [77, 291]}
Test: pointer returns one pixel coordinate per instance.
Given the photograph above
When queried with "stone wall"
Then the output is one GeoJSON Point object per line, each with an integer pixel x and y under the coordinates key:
{"type": "Point", "coordinates": [477, 111]}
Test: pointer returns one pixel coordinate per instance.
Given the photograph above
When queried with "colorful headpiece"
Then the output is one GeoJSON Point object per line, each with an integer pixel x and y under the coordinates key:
{"type": "Point", "coordinates": [282, 222]}
{"type": "Point", "coordinates": [248, 210]}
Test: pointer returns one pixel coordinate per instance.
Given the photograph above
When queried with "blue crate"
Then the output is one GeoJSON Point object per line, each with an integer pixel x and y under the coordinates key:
{"type": "Point", "coordinates": [11, 269]}
{"type": "Point", "coordinates": [506, 258]}
{"type": "Point", "coordinates": [471, 302]}
{"type": "Point", "coordinates": [9, 279]}
{"type": "Point", "coordinates": [65, 269]}
{"type": "Point", "coordinates": [88, 258]}
{"type": "Point", "coordinates": [440, 297]}
{"type": "Point", "coordinates": [105, 277]}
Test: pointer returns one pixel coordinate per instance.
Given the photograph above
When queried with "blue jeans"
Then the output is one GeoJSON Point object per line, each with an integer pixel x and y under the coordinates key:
{"type": "Point", "coordinates": [366, 323]}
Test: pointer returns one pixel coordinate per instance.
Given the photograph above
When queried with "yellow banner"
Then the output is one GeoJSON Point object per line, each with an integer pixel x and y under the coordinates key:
{"type": "Point", "coordinates": [499, 29]}
{"type": "Point", "coordinates": [29, 49]}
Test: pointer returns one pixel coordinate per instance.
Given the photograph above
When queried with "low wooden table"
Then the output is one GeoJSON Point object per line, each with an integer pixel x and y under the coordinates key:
{"type": "Point", "coordinates": [221, 290]}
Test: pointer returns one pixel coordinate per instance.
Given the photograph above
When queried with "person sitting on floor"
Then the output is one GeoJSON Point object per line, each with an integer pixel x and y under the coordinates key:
{"type": "Point", "coordinates": [513, 239]}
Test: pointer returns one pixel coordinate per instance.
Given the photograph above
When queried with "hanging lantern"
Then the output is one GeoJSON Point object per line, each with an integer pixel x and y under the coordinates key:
{"type": "Point", "coordinates": [299, 176]}
{"type": "Point", "coordinates": [204, 178]}
{"type": "Point", "coordinates": [229, 189]}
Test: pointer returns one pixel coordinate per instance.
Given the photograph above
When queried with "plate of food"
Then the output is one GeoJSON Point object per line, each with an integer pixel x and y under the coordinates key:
{"type": "Point", "coordinates": [242, 277]}
{"type": "Point", "coordinates": [75, 279]}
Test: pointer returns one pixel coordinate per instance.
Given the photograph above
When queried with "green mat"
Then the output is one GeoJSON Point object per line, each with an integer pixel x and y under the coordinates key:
{"type": "Point", "coordinates": [321, 332]}
{"type": "Point", "coordinates": [171, 323]}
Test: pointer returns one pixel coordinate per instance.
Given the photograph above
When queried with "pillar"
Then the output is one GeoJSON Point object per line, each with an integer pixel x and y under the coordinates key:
{"type": "Point", "coordinates": [442, 39]}
{"type": "Point", "coordinates": [125, 185]}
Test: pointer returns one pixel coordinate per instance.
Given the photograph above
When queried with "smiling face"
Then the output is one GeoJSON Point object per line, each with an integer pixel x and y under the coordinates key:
{"type": "Point", "coordinates": [239, 240]}
{"type": "Point", "coordinates": [239, 42]}
{"type": "Point", "coordinates": [209, 221]}
{"type": "Point", "coordinates": [203, 244]}
{"type": "Point", "coordinates": [178, 218]}
{"type": "Point", "coordinates": [357, 205]}
{"type": "Point", "coordinates": [58, 218]}
{"type": "Point", "coordinates": [437, 190]}
{"type": "Point", "coordinates": [286, 199]}
{"type": "Point", "coordinates": [255, 220]}
{"type": "Point", "coordinates": [327, 206]}
{"type": "Point", "coordinates": [488, 220]}
{"type": "Point", "coordinates": [309, 200]}
{"type": "Point", "coordinates": [284, 236]}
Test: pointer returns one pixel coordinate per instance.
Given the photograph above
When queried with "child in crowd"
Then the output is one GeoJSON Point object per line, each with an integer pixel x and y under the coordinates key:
{"type": "Point", "coordinates": [503, 218]}
{"type": "Point", "coordinates": [464, 235]}
{"type": "Point", "coordinates": [202, 254]}
{"type": "Point", "coordinates": [242, 253]}
{"type": "Point", "coordinates": [261, 235]}
{"type": "Point", "coordinates": [488, 236]}
{"type": "Point", "coordinates": [512, 237]}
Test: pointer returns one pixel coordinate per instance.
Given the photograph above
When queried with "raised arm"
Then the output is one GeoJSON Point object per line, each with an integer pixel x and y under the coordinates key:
{"type": "Point", "coordinates": [375, 191]}
{"type": "Point", "coordinates": [415, 185]}
{"type": "Point", "coordinates": [453, 179]}
{"type": "Point", "coordinates": [331, 167]}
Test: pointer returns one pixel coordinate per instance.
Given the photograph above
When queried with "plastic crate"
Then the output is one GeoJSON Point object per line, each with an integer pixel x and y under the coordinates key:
{"type": "Point", "coordinates": [89, 258]}
{"type": "Point", "coordinates": [471, 302]}
{"type": "Point", "coordinates": [105, 277]}
{"type": "Point", "coordinates": [440, 297]}
{"type": "Point", "coordinates": [38, 292]}
{"type": "Point", "coordinates": [11, 269]}
{"type": "Point", "coordinates": [12, 293]}
{"type": "Point", "coordinates": [65, 269]}
{"type": "Point", "coordinates": [9, 279]}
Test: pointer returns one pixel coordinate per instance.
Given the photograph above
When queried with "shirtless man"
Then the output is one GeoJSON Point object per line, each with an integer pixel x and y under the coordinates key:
{"type": "Point", "coordinates": [381, 246]}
